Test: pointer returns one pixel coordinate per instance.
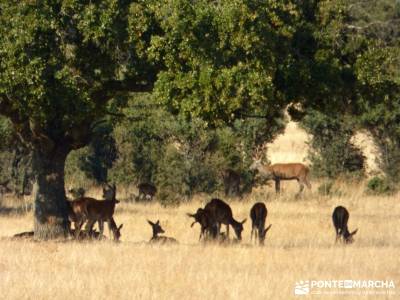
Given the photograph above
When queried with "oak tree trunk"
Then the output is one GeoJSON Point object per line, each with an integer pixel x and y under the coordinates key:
{"type": "Point", "coordinates": [50, 206]}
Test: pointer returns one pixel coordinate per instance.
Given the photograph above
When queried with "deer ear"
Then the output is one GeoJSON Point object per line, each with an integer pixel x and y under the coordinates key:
{"type": "Point", "coordinates": [244, 221]}
{"type": "Point", "coordinates": [158, 222]}
{"type": "Point", "coordinates": [354, 232]}
{"type": "Point", "coordinates": [150, 222]}
{"type": "Point", "coordinates": [190, 215]}
{"type": "Point", "coordinates": [120, 226]}
{"type": "Point", "coordinates": [193, 223]}
{"type": "Point", "coordinates": [268, 228]}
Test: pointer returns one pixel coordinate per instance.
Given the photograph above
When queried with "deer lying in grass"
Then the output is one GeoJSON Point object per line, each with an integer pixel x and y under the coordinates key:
{"type": "Point", "coordinates": [204, 219]}
{"type": "Point", "coordinates": [93, 211]}
{"type": "Point", "coordinates": [221, 213]}
{"type": "Point", "coordinates": [340, 218]}
{"type": "Point", "coordinates": [282, 171]}
{"type": "Point", "coordinates": [84, 235]}
{"type": "Point", "coordinates": [157, 229]}
{"type": "Point", "coordinates": [258, 214]}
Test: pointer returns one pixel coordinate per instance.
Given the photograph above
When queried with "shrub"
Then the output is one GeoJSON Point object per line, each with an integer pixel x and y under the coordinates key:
{"type": "Point", "coordinates": [331, 153]}
{"type": "Point", "coordinates": [379, 185]}
{"type": "Point", "coordinates": [327, 189]}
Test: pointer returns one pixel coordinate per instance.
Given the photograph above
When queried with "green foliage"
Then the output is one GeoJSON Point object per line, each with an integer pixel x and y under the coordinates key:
{"type": "Point", "coordinates": [332, 154]}
{"type": "Point", "coordinates": [221, 57]}
{"type": "Point", "coordinates": [379, 185]}
{"type": "Point", "coordinates": [65, 66]}
{"type": "Point", "coordinates": [183, 157]}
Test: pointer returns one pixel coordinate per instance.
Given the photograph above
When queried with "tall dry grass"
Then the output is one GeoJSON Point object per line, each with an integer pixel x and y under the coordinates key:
{"type": "Point", "coordinates": [299, 246]}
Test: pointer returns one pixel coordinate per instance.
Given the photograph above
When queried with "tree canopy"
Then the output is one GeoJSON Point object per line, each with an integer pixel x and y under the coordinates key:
{"type": "Point", "coordinates": [67, 65]}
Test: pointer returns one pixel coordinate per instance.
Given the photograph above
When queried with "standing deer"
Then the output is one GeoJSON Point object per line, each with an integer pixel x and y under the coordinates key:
{"type": "Point", "coordinates": [77, 213]}
{"type": "Point", "coordinates": [231, 180]}
{"type": "Point", "coordinates": [221, 213]}
{"type": "Point", "coordinates": [146, 191]}
{"type": "Point", "coordinates": [282, 171]}
{"type": "Point", "coordinates": [93, 211]}
{"type": "Point", "coordinates": [340, 218]}
{"type": "Point", "coordinates": [258, 214]}
{"type": "Point", "coordinates": [160, 239]}
{"type": "Point", "coordinates": [204, 219]}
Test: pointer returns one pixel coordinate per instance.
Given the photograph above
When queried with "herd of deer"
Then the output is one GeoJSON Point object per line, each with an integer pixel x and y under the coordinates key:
{"type": "Point", "coordinates": [215, 213]}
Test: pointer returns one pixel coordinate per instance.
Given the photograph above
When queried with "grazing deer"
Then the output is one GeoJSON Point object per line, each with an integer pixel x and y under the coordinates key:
{"type": "Point", "coordinates": [146, 191]}
{"type": "Point", "coordinates": [204, 219]}
{"type": "Point", "coordinates": [340, 218]}
{"type": "Point", "coordinates": [221, 213]}
{"type": "Point", "coordinates": [93, 211]}
{"type": "Point", "coordinates": [258, 214]}
{"type": "Point", "coordinates": [282, 171]}
{"type": "Point", "coordinates": [160, 239]}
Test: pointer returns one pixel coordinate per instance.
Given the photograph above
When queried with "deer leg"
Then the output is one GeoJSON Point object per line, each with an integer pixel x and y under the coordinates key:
{"type": "Point", "coordinates": [89, 227]}
{"type": "Point", "coordinates": [337, 235]}
{"type": "Point", "coordinates": [112, 227]}
{"type": "Point", "coordinates": [78, 226]}
{"type": "Point", "coordinates": [101, 228]}
{"type": "Point", "coordinates": [301, 187]}
{"type": "Point", "coordinates": [227, 230]}
{"type": "Point", "coordinates": [277, 185]}
{"type": "Point", "coordinates": [308, 184]}
{"type": "Point", "coordinates": [251, 235]}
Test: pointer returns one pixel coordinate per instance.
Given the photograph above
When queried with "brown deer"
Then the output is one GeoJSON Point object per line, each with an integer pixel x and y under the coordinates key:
{"type": "Point", "coordinates": [203, 217]}
{"type": "Point", "coordinates": [77, 214]}
{"type": "Point", "coordinates": [146, 191]}
{"type": "Point", "coordinates": [84, 235]}
{"type": "Point", "coordinates": [157, 229]}
{"type": "Point", "coordinates": [231, 180]}
{"type": "Point", "coordinates": [221, 213]}
{"type": "Point", "coordinates": [282, 171]}
{"type": "Point", "coordinates": [340, 218]}
{"type": "Point", "coordinates": [258, 214]}
{"type": "Point", "coordinates": [93, 211]}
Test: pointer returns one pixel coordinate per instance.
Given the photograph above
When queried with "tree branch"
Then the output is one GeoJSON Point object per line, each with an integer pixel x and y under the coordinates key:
{"type": "Point", "coordinates": [110, 88]}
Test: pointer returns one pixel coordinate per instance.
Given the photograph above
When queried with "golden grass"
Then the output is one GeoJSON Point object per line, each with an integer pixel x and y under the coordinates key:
{"type": "Point", "coordinates": [299, 246]}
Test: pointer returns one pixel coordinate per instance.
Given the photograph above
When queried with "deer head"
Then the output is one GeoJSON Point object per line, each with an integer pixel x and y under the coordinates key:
{"type": "Point", "coordinates": [263, 234]}
{"type": "Point", "coordinates": [238, 227]}
{"type": "Point", "coordinates": [109, 192]}
{"type": "Point", "coordinates": [156, 227]}
{"type": "Point", "coordinates": [348, 237]}
{"type": "Point", "coordinates": [258, 155]}
{"type": "Point", "coordinates": [117, 232]}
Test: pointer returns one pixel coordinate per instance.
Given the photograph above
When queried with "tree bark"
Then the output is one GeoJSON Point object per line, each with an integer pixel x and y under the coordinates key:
{"type": "Point", "coordinates": [51, 210]}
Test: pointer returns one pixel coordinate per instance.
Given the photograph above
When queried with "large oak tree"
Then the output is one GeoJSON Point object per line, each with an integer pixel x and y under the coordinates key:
{"type": "Point", "coordinates": [61, 62]}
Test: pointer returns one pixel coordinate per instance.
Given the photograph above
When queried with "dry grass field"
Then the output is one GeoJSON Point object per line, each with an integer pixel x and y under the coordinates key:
{"type": "Point", "coordinates": [299, 246]}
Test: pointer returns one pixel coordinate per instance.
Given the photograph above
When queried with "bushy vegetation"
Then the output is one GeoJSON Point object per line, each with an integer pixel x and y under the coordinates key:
{"type": "Point", "coordinates": [332, 154]}
{"type": "Point", "coordinates": [379, 185]}
{"type": "Point", "coordinates": [218, 74]}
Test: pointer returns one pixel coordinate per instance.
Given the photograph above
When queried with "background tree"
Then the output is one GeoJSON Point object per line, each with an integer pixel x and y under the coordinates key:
{"type": "Point", "coordinates": [61, 63]}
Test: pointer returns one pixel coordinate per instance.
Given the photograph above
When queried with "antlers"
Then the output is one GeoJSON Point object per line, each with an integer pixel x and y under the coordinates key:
{"type": "Point", "coordinates": [259, 152]}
